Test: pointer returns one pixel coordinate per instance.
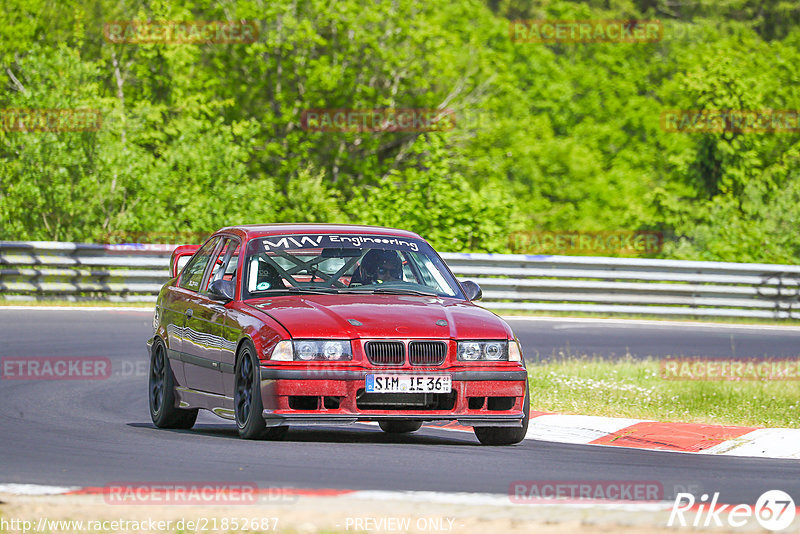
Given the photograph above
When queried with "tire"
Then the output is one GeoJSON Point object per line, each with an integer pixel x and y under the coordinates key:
{"type": "Point", "coordinates": [247, 403]}
{"type": "Point", "coordinates": [161, 393]}
{"type": "Point", "coordinates": [489, 435]}
{"type": "Point", "coordinates": [400, 427]}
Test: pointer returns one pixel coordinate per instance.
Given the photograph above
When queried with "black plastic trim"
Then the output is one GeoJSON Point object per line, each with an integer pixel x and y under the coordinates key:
{"type": "Point", "coordinates": [273, 419]}
{"type": "Point", "coordinates": [272, 373]}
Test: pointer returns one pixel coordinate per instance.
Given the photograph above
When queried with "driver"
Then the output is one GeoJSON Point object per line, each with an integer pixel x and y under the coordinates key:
{"type": "Point", "coordinates": [378, 266]}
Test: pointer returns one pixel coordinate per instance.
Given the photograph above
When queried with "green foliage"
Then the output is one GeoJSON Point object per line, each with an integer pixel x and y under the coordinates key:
{"type": "Point", "coordinates": [560, 137]}
{"type": "Point", "coordinates": [438, 203]}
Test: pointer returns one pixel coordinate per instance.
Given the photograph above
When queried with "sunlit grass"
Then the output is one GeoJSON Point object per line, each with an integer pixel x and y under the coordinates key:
{"type": "Point", "coordinates": [635, 388]}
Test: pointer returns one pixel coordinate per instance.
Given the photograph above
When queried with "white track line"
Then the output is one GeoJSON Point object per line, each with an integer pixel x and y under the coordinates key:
{"type": "Point", "coordinates": [775, 443]}
{"type": "Point", "coordinates": [580, 429]}
{"type": "Point", "coordinates": [762, 443]}
{"type": "Point", "coordinates": [457, 498]}
{"type": "Point", "coordinates": [494, 499]}
{"type": "Point", "coordinates": [36, 489]}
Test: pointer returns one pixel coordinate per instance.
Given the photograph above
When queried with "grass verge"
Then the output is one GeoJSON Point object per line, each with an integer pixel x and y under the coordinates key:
{"type": "Point", "coordinates": [635, 388]}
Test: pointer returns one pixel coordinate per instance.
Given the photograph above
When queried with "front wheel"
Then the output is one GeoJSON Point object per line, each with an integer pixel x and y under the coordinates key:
{"type": "Point", "coordinates": [247, 398]}
{"type": "Point", "coordinates": [400, 427]}
{"type": "Point", "coordinates": [161, 393]}
{"type": "Point", "coordinates": [489, 435]}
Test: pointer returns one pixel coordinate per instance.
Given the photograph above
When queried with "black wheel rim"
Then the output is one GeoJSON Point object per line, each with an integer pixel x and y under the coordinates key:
{"type": "Point", "coordinates": [244, 389]}
{"type": "Point", "coordinates": [157, 379]}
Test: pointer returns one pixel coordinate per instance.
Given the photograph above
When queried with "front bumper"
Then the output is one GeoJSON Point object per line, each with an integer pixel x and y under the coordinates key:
{"type": "Point", "coordinates": [473, 393]}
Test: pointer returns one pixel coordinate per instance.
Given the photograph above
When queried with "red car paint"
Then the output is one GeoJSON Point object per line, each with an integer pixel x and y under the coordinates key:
{"type": "Point", "coordinates": [203, 336]}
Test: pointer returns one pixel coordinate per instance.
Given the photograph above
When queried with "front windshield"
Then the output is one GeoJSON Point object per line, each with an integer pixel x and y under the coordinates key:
{"type": "Point", "coordinates": [346, 264]}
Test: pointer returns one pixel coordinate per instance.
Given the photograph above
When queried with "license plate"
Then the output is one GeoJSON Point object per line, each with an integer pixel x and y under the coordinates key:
{"type": "Point", "coordinates": [408, 384]}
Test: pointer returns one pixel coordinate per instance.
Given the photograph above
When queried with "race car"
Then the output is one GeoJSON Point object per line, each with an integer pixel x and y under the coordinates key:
{"type": "Point", "coordinates": [312, 324]}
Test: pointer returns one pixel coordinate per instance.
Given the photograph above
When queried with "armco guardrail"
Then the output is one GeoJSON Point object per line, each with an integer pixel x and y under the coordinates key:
{"type": "Point", "coordinates": [74, 271]}
{"type": "Point", "coordinates": [32, 270]}
{"type": "Point", "coordinates": [632, 285]}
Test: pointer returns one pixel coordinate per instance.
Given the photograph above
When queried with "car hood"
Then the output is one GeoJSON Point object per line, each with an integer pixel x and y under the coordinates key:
{"type": "Point", "coordinates": [381, 316]}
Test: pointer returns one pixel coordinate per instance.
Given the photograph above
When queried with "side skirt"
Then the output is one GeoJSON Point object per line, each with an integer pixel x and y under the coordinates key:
{"type": "Point", "coordinates": [218, 404]}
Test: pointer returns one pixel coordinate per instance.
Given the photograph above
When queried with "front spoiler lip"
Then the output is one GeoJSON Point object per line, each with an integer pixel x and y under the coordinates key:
{"type": "Point", "coordinates": [272, 373]}
{"type": "Point", "coordinates": [273, 419]}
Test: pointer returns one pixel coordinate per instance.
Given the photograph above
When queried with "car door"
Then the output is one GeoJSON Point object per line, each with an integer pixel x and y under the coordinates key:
{"type": "Point", "coordinates": [228, 269]}
{"type": "Point", "coordinates": [204, 342]}
{"type": "Point", "coordinates": [176, 303]}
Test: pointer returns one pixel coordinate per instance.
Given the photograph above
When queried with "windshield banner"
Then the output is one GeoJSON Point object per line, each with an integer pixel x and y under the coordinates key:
{"type": "Point", "coordinates": [283, 242]}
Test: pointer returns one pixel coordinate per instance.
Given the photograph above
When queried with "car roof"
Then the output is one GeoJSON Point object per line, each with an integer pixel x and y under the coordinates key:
{"type": "Point", "coordinates": [254, 231]}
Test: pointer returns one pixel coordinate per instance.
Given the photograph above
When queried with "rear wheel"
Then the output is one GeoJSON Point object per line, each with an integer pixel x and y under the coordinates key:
{"type": "Point", "coordinates": [489, 435]}
{"type": "Point", "coordinates": [400, 427]}
{"type": "Point", "coordinates": [161, 393]}
{"type": "Point", "coordinates": [247, 398]}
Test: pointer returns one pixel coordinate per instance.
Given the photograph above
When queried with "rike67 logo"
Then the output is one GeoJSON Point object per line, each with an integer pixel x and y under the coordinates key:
{"type": "Point", "coordinates": [774, 510]}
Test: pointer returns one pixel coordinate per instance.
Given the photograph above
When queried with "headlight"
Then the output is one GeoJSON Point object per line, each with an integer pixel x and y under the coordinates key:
{"type": "Point", "coordinates": [305, 350]}
{"type": "Point", "coordinates": [471, 351]}
{"type": "Point", "coordinates": [283, 352]}
{"type": "Point", "coordinates": [309, 350]}
{"type": "Point", "coordinates": [333, 350]}
{"type": "Point", "coordinates": [494, 351]}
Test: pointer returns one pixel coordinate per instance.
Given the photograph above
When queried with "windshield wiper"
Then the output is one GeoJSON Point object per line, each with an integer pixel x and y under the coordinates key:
{"type": "Point", "coordinates": [391, 291]}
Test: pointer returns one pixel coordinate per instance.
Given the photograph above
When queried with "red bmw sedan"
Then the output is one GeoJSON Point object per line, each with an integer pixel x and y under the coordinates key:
{"type": "Point", "coordinates": [311, 324]}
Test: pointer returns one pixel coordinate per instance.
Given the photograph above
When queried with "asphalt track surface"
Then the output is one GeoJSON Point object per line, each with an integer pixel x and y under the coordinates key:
{"type": "Point", "coordinates": [97, 432]}
{"type": "Point", "coordinates": [548, 338]}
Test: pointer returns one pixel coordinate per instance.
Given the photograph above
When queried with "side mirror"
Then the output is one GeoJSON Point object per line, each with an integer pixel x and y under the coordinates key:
{"type": "Point", "coordinates": [472, 290]}
{"type": "Point", "coordinates": [221, 290]}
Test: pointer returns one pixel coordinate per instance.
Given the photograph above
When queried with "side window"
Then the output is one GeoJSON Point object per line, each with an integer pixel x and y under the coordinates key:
{"type": "Point", "coordinates": [225, 262]}
{"type": "Point", "coordinates": [192, 275]}
{"type": "Point", "coordinates": [233, 265]}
